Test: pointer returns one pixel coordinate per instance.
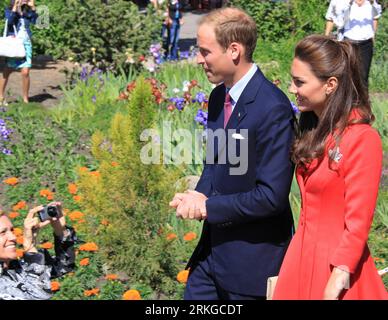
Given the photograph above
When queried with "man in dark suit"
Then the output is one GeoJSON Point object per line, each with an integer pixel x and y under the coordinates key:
{"type": "Point", "coordinates": [245, 207]}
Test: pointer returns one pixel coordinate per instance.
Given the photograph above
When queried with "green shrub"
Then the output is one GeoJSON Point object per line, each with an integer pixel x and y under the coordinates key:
{"type": "Point", "coordinates": [133, 197]}
{"type": "Point", "coordinates": [381, 44]}
{"type": "Point", "coordinates": [273, 19]}
{"type": "Point", "coordinates": [107, 35]}
{"type": "Point", "coordinates": [309, 16]}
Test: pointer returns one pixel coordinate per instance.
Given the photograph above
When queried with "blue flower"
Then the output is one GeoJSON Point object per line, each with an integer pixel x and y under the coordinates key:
{"type": "Point", "coordinates": [200, 97]}
{"type": "Point", "coordinates": [179, 102]}
{"type": "Point", "coordinates": [84, 74]}
{"type": "Point", "coordinates": [94, 99]}
{"type": "Point", "coordinates": [6, 151]}
{"type": "Point", "coordinates": [201, 117]}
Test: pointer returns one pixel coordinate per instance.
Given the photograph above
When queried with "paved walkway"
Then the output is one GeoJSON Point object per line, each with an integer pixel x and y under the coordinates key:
{"type": "Point", "coordinates": [188, 32]}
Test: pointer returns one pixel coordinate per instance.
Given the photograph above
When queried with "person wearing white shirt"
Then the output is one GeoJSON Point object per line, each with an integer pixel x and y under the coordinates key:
{"type": "Point", "coordinates": [356, 21]}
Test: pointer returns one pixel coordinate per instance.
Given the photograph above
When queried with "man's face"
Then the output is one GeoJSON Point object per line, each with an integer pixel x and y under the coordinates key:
{"type": "Point", "coordinates": [215, 60]}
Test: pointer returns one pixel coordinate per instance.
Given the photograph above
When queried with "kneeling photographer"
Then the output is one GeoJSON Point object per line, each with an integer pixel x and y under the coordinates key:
{"type": "Point", "coordinates": [29, 277]}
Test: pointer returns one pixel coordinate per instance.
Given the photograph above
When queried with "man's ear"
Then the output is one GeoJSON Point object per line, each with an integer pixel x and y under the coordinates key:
{"type": "Point", "coordinates": [331, 85]}
{"type": "Point", "coordinates": [236, 50]}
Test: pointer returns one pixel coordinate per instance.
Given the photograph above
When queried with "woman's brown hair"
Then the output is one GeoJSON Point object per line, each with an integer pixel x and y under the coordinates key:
{"type": "Point", "coordinates": [330, 58]}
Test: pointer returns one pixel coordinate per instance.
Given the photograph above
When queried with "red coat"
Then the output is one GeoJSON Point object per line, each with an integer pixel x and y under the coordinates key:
{"type": "Point", "coordinates": [336, 215]}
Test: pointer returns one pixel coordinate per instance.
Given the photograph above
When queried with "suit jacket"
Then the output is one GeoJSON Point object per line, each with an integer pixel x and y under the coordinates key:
{"type": "Point", "coordinates": [249, 221]}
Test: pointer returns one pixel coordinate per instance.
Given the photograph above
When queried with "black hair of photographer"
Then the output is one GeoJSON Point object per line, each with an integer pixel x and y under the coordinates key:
{"type": "Point", "coordinates": [30, 277]}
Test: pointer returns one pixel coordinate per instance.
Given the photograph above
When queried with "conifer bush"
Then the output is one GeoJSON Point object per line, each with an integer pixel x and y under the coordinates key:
{"type": "Point", "coordinates": [131, 197]}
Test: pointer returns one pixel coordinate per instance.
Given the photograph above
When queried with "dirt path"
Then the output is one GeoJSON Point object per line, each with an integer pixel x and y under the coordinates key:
{"type": "Point", "coordinates": [46, 77]}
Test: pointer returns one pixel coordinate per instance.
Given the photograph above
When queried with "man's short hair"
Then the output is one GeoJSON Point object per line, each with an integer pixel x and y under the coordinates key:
{"type": "Point", "coordinates": [233, 25]}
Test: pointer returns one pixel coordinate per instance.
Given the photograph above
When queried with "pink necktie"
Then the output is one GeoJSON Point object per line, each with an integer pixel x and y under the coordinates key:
{"type": "Point", "coordinates": [227, 109]}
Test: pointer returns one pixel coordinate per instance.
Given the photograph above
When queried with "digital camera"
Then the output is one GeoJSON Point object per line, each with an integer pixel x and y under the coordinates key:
{"type": "Point", "coordinates": [47, 213]}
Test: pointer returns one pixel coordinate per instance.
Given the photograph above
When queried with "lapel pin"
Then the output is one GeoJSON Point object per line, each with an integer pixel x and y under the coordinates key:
{"type": "Point", "coordinates": [335, 155]}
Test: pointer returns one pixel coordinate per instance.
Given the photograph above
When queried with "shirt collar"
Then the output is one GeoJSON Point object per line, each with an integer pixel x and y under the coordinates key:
{"type": "Point", "coordinates": [236, 91]}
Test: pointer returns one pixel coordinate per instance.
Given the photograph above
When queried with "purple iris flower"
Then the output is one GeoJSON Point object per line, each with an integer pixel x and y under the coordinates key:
{"type": "Point", "coordinates": [179, 102]}
{"type": "Point", "coordinates": [84, 74]}
{"type": "Point", "coordinates": [201, 117]}
{"type": "Point", "coordinates": [200, 97]}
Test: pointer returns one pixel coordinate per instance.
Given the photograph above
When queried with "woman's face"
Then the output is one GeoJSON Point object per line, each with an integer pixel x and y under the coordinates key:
{"type": "Point", "coordinates": [310, 92]}
{"type": "Point", "coordinates": [7, 240]}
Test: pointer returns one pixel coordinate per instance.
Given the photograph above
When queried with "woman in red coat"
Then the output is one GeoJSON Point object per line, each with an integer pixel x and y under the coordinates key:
{"type": "Point", "coordinates": [339, 161]}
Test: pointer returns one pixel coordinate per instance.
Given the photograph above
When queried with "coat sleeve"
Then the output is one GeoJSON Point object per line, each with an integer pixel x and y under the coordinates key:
{"type": "Point", "coordinates": [12, 18]}
{"type": "Point", "coordinates": [273, 169]}
{"type": "Point", "coordinates": [362, 171]}
{"type": "Point", "coordinates": [64, 260]}
{"type": "Point", "coordinates": [32, 16]}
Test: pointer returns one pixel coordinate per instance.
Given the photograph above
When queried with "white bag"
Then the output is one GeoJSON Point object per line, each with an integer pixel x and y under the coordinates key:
{"type": "Point", "coordinates": [11, 47]}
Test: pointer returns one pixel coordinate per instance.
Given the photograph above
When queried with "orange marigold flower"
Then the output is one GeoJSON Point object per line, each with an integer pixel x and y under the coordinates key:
{"type": "Point", "coordinates": [182, 276]}
{"type": "Point", "coordinates": [171, 236]}
{"type": "Point", "coordinates": [77, 198]}
{"type": "Point", "coordinates": [11, 181]}
{"type": "Point", "coordinates": [104, 222]}
{"type": "Point", "coordinates": [72, 187]}
{"type": "Point", "coordinates": [75, 215]}
{"type": "Point", "coordinates": [19, 240]}
{"type": "Point", "coordinates": [114, 164]}
{"type": "Point", "coordinates": [131, 295]}
{"type": "Point", "coordinates": [44, 192]}
{"type": "Point", "coordinates": [84, 262]}
{"type": "Point", "coordinates": [19, 253]}
{"type": "Point", "coordinates": [17, 232]}
{"type": "Point", "coordinates": [90, 246]}
{"type": "Point", "coordinates": [83, 169]}
{"type": "Point", "coordinates": [111, 276]}
{"type": "Point", "coordinates": [20, 205]}
{"type": "Point", "coordinates": [55, 285]}
{"type": "Point", "coordinates": [46, 245]}
{"type": "Point", "coordinates": [50, 197]}
{"type": "Point", "coordinates": [92, 292]}
{"type": "Point", "coordinates": [13, 215]}
{"type": "Point", "coordinates": [189, 236]}
{"type": "Point", "coordinates": [95, 173]}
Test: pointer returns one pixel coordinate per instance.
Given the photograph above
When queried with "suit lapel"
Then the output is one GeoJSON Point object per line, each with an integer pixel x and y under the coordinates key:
{"type": "Point", "coordinates": [240, 110]}
{"type": "Point", "coordinates": [248, 96]}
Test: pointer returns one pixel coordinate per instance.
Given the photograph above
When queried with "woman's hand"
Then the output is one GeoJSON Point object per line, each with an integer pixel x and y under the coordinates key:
{"type": "Point", "coordinates": [32, 226]}
{"type": "Point", "coordinates": [31, 4]}
{"type": "Point", "coordinates": [59, 222]}
{"type": "Point", "coordinates": [338, 281]}
{"type": "Point", "coordinates": [16, 5]}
